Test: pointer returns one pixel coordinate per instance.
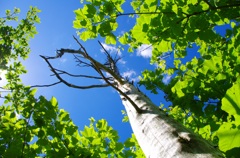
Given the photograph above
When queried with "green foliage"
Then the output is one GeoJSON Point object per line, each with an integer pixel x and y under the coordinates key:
{"type": "Point", "coordinates": [14, 40]}
{"type": "Point", "coordinates": [229, 132]}
{"type": "Point", "coordinates": [203, 90]}
{"type": "Point", "coordinates": [125, 117]}
{"type": "Point", "coordinates": [40, 128]}
{"type": "Point", "coordinates": [204, 85]}
{"type": "Point", "coordinates": [98, 18]}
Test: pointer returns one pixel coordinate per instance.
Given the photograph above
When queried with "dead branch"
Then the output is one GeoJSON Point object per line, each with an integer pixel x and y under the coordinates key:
{"type": "Point", "coordinates": [85, 64]}
{"type": "Point", "coordinates": [47, 85]}
{"type": "Point", "coordinates": [67, 83]}
{"type": "Point", "coordinates": [111, 62]}
{"type": "Point", "coordinates": [109, 67]}
{"type": "Point", "coordinates": [101, 66]}
{"type": "Point", "coordinates": [60, 72]}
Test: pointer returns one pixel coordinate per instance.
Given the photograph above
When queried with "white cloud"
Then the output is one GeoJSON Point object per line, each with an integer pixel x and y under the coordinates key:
{"type": "Point", "coordinates": [111, 49]}
{"type": "Point", "coordinates": [145, 51]}
{"type": "Point", "coordinates": [63, 60]}
{"type": "Point", "coordinates": [122, 61]}
{"type": "Point", "coordinates": [166, 79]}
{"type": "Point", "coordinates": [131, 75]}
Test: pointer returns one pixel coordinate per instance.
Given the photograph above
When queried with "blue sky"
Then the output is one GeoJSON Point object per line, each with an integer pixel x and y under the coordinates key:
{"type": "Point", "coordinates": [54, 32]}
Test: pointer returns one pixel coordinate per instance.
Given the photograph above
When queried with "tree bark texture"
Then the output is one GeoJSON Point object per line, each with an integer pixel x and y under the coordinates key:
{"type": "Point", "coordinates": [158, 134]}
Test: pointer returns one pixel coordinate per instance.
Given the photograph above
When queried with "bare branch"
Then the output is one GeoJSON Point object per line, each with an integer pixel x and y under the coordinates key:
{"type": "Point", "coordinates": [67, 83]}
{"type": "Point", "coordinates": [85, 64]}
{"type": "Point", "coordinates": [48, 85]}
{"type": "Point", "coordinates": [95, 63]}
{"type": "Point", "coordinates": [112, 70]}
{"type": "Point", "coordinates": [111, 63]}
{"type": "Point", "coordinates": [86, 76]}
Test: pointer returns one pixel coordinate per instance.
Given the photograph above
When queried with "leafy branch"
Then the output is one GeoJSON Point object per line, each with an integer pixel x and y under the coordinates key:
{"type": "Point", "coordinates": [211, 7]}
{"type": "Point", "coordinates": [48, 85]}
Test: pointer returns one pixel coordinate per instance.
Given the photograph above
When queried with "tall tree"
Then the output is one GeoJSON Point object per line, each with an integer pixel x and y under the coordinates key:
{"type": "Point", "coordinates": [204, 74]}
{"type": "Point", "coordinates": [157, 134]}
{"type": "Point", "coordinates": [204, 91]}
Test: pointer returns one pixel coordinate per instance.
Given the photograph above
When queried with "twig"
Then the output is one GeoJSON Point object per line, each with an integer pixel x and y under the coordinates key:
{"type": "Point", "coordinates": [85, 64]}
{"type": "Point", "coordinates": [48, 85]}
{"type": "Point", "coordinates": [112, 63]}
{"type": "Point", "coordinates": [86, 76]}
{"type": "Point", "coordinates": [106, 69]}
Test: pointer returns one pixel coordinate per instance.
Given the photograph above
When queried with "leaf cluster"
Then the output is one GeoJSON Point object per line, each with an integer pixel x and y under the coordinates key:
{"type": "Point", "coordinates": [14, 40]}
{"type": "Point", "coordinates": [38, 128]}
{"type": "Point", "coordinates": [98, 18]}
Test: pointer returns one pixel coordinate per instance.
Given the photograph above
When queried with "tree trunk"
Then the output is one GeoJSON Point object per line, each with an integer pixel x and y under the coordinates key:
{"type": "Point", "coordinates": [158, 134]}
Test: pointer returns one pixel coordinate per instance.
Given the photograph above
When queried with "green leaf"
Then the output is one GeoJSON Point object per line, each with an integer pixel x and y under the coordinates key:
{"type": "Point", "coordinates": [204, 5]}
{"type": "Point", "coordinates": [194, 2]}
{"type": "Point", "coordinates": [102, 124]}
{"type": "Point", "coordinates": [136, 4]}
{"type": "Point", "coordinates": [231, 100]}
{"type": "Point", "coordinates": [33, 91]}
{"type": "Point", "coordinates": [97, 141]}
{"type": "Point", "coordinates": [63, 116]}
{"type": "Point", "coordinates": [229, 135]}
{"type": "Point", "coordinates": [125, 119]}
{"type": "Point", "coordinates": [87, 35]}
{"type": "Point", "coordinates": [205, 132]}
{"type": "Point", "coordinates": [110, 39]}
{"type": "Point", "coordinates": [54, 101]}
{"type": "Point", "coordinates": [175, 8]}
{"type": "Point", "coordinates": [90, 10]}
{"type": "Point", "coordinates": [123, 40]}
{"type": "Point", "coordinates": [177, 89]}
{"type": "Point", "coordinates": [88, 132]}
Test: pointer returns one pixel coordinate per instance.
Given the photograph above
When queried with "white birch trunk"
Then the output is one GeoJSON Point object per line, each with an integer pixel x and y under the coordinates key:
{"type": "Point", "coordinates": [159, 135]}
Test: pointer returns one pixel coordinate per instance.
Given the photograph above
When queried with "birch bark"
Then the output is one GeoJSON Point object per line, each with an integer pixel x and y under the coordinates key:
{"type": "Point", "coordinates": [158, 134]}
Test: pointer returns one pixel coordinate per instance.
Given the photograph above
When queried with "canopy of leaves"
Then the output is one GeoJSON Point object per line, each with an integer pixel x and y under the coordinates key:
{"type": "Point", "coordinates": [14, 40]}
{"type": "Point", "coordinates": [204, 65]}
{"type": "Point", "coordinates": [36, 127]}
